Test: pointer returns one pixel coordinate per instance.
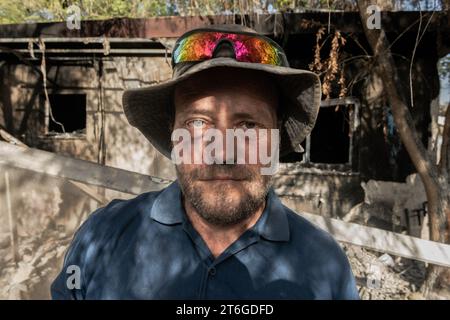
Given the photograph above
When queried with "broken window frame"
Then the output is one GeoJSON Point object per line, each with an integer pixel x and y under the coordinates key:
{"type": "Point", "coordinates": [47, 119]}
{"type": "Point", "coordinates": [353, 132]}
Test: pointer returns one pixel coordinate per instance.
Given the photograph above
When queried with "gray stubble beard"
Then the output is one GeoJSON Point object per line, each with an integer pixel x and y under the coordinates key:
{"type": "Point", "coordinates": [221, 211]}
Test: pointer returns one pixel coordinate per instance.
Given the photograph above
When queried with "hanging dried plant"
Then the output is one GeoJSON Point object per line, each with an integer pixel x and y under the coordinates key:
{"type": "Point", "coordinates": [317, 64]}
{"type": "Point", "coordinates": [329, 68]}
{"type": "Point", "coordinates": [341, 83]}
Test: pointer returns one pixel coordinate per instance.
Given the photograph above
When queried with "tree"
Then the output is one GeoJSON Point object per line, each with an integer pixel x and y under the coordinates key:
{"type": "Point", "coordinates": [435, 177]}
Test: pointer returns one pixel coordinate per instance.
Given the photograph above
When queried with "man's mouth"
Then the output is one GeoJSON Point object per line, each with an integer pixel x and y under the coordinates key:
{"type": "Point", "coordinates": [221, 178]}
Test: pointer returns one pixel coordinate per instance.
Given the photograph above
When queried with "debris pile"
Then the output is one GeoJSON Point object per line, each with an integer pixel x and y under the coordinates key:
{"type": "Point", "coordinates": [383, 277]}
{"type": "Point", "coordinates": [39, 259]}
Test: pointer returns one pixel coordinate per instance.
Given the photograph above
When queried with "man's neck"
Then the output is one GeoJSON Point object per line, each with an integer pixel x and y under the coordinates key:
{"type": "Point", "coordinates": [218, 238]}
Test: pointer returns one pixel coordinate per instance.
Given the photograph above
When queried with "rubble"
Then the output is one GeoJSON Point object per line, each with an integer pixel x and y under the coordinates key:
{"type": "Point", "coordinates": [400, 278]}
{"type": "Point", "coordinates": [40, 258]}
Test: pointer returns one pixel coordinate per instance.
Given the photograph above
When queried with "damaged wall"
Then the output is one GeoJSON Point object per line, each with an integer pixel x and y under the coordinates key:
{"type": "Point", "coordinates": [108, 138]}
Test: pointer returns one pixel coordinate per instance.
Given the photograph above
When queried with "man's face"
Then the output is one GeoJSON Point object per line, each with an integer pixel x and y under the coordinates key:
{"type": "Point", "coordinates": [225, 194]}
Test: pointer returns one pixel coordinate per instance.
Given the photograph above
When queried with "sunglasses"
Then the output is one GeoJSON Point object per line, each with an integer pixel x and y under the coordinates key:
{"type": "Point", "coordinates": [199, 45]}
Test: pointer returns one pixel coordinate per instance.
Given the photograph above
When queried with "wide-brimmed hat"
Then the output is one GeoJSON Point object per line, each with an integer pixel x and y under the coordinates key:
{"type": "Point", "coordinates": [151, 109]}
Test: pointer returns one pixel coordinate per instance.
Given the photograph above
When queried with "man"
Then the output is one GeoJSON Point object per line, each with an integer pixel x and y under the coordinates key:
{"type": "Point", "coordinates": [219, 231]}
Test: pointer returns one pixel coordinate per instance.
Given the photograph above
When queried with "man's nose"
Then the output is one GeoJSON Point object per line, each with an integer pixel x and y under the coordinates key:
{"type": "Point", "coordinates": [226, 154]}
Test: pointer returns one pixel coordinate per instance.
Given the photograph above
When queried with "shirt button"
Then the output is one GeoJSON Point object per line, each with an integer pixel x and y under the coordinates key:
{"type": "Point", "coordinates": [212, 271]}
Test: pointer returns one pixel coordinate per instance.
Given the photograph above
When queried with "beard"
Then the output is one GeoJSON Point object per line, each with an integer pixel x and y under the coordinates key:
{"type": "Point", "coordinates": [224, 202]}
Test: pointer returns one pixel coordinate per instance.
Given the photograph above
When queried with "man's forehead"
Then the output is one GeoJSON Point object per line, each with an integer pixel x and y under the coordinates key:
{"type": "Point", "coordinates": [221, 79]}
{"type": "Point", "coordinates": [212, 107]}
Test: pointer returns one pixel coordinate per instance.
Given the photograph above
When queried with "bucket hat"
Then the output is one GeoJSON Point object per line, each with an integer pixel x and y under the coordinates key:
{"type": "Point", "coordinates": [151, 109]}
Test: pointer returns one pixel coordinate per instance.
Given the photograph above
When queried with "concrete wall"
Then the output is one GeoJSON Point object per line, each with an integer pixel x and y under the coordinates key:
{"type": "Point", "coordinates": [325, 192]}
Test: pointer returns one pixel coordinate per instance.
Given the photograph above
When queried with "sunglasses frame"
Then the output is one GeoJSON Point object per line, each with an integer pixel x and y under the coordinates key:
{"type": "Point", "coordinates": [280, 50]}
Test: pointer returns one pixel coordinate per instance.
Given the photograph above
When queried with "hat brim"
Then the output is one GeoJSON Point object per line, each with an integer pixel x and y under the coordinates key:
{"type": "Point", "coordinates": [151, 109]}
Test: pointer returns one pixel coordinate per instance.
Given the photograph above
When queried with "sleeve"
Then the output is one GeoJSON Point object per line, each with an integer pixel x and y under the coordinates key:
{"type": "Point", "coordinates": [70, 284]}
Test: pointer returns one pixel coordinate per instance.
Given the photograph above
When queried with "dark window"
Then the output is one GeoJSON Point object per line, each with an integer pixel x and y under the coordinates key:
{"type": "Point", "coordinates": [330, 138]}
{"type": "Point", "coordinates": [69, 110]}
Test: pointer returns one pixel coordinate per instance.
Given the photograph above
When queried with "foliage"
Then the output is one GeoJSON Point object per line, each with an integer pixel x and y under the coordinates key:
{"type": "Point", "coordinates": [56, 10]}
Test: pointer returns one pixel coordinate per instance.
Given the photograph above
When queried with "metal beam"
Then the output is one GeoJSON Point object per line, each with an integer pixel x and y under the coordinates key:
{"type": "Point", "coordinates": [174, 26]}
{"type": "Point", "coordinates": [91, 192]}
{"type": "Point", "coordinates": [85, 40]}
{"type": "Point", "coordinates": [159, 52]}
{"type": "Point", "coordinates": [78, 170]}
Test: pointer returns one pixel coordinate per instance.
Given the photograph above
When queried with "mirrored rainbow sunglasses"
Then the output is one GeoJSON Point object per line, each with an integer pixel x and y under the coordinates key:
{"type": "Point", "coordinates": [199, 45]}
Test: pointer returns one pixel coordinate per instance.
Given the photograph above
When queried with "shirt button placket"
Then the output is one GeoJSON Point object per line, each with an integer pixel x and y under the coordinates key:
{"type": "Point", "coordinates": [212, 272]}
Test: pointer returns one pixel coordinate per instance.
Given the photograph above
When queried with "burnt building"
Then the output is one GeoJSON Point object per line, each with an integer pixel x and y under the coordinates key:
{"type": "Point", "coordinates": [61, 91]}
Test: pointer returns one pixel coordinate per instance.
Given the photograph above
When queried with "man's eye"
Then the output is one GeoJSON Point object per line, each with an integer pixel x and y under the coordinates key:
{"type": "Point", "coordinates": [248, 125]}
{"type": "Point", "coordinates": [196, 123]}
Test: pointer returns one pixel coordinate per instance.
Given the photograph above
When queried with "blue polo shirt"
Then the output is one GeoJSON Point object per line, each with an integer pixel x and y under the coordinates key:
{"type": "Point", "coordinates": [146, 248]}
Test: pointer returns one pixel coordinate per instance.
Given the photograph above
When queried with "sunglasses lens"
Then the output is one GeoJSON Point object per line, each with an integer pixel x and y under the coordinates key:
{"type": "Point", "coordinates": [255, 50]}
{"type": "Point", "coordinates": [200, 46]}
{"type": "Point", "coordinates": [196, 47]}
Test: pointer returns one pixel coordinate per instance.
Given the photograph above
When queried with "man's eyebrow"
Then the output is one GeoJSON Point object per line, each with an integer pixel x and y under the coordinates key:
{"type": "Point", "coordinates": [243, 115]}
{"type": "Point", "coordinates": [192, 111]}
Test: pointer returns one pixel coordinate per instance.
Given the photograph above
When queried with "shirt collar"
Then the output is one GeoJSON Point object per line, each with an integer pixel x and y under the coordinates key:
{"type": "Point", "coordinates": [167, 207]}
{"type": "Point", "coordinates": [273, 224]}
